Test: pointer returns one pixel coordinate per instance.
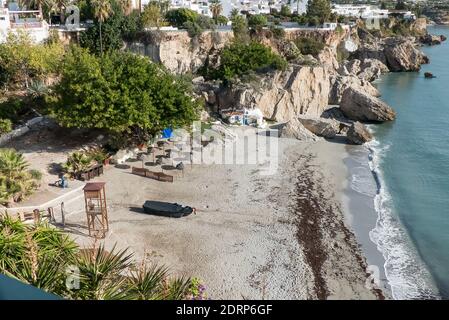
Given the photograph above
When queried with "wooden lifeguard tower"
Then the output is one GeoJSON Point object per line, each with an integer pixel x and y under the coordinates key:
{"type": "Point", "coordinates": [96, 209]}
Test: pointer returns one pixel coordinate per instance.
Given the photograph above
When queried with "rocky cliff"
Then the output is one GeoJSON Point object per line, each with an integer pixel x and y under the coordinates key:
{"type": "Point", "coordinates": [309, 84]}
{"type": "Point", "coordinates": [180, 53]}
{"type": "Point", "coordinates": [280, 95]}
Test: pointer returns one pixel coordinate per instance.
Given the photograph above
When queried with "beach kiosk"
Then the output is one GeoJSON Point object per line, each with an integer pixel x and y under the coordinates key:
{"type": "Point", "coordinates": [96, 209]}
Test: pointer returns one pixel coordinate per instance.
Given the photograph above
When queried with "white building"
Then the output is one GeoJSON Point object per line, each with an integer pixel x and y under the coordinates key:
{"type": "Point", "coordinates": [13, 19]}
{"type": "Point", "coordinates": [369, 12]}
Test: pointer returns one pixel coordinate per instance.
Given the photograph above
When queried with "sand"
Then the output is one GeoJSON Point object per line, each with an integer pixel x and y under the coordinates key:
{"type": "Point", "coordinates": [255, 236]}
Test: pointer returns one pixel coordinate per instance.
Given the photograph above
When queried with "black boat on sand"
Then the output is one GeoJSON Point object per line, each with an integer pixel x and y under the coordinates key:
{"type": "Point", "coordinates": [166, 209]}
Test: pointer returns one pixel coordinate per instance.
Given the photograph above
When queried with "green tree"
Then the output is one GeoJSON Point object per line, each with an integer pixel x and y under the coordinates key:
{"type": "Point", "coordinates": [401, 5]}
{"type": "Point", "coordinates": [240, 28]}
{"type": "Point", "coordinates": [285, 10]}
{"type": "Point", "coordinates": [234, 13]}
{"type": "Point", "coordinates": [178, 17]}
{"type": "Point", "coordinates": [120, 92]}
{"type": "Point", "coordinates": [126, 6]}
{"type": "Point", "coordinates": [257, 22]}
{"type": "Point", "coordinates": [319, 8]}
{"type": "Point", "coordinates": [152, 15]}
{"type": "Point", "coordinates": [239, 59]}
{"type": "Point", "coordinates": [115, 29]}
{"type": "Point", "coordinates": [22, 61]}
{"type": "Point", "coordinates": [102, 10]}
{"type": "Point", "coordinates": [222, 20]}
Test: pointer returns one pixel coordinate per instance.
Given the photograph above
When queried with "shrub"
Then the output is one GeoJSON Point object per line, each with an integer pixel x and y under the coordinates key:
{"type": "Point", "coordinates": [178, 17]}
{"type": "Point", "coordinates": [257, 22]}
{"type": "Point", "coordinates": [240, 28]}
{"type": "Point", "coordinates": [309, 45]}
{"type": "Point", "coordinates": [314, 21]}
{"type": "Point", "coordinates": [239, 59]}
{"type": "Point", "coordinates": [5, 126]}
{"type": "Point", "coordinates": [77, 162]}
{"type": "Point", "coordinates": [193, 29]}
{"type": "Point", "coordinates": [222, 20]}
{"type": "Point", "coordinates": [278, 33]}
{"type": "Point", "coordinates": [13, 108]}
{"type": "Point", "coordinates": [16, 181]}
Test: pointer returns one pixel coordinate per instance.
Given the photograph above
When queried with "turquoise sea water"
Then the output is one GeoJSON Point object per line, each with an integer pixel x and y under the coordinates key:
{"type": "Point", "coordinates": [411, 157]}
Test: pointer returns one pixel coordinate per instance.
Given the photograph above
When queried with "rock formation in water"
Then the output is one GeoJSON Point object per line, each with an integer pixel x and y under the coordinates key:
{"type": "Point", "coordinates": [360, 106]}
{"type": "Point", "coordinates": [431, 40]}
{"type": "Point", "coordinates": [358, 134]}
{"type": "Point", "coordinates": [397, 53]}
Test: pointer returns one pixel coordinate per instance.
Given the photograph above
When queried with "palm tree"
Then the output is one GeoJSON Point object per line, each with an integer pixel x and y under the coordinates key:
{"type": "Point", "coordinates": [16, 181]}
{"type": "Point", "coordinates": [126, 6]}
{"type": "Point", "coordinates": [36, 4]}
{"type": "Point", "coordinates": [216, 8]}
{"type": "Point", "coordinates": [102, 10]}
{"type": "Point", "coordinates": [234, 12]}
{"type": "Point", "coordinates": [12, 163]}
{"type": "Point", "coordinates": [60, 5]}
{"type": "Point", "coordinates": [40, 255]}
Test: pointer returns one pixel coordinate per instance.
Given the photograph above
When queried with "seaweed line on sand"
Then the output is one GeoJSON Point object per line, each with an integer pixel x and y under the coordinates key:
{"type": "Point", "coordinates": [315, 216]}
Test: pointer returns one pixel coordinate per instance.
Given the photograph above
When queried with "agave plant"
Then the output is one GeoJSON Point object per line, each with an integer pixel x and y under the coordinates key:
{"type": "Point", "coordinates": [37, 89]}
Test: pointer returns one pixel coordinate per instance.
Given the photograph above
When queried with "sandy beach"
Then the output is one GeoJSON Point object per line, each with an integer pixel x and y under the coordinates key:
{"type": "Point", "coordinates": [254, 236]}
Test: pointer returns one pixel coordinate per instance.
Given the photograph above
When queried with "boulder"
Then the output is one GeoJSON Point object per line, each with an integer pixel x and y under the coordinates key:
{"type": "Point", "coordinates": [339, 84]}
{"type": "Point", "coordinates": [428, 75]}
{"type": "Point", "coordinates": [322, 127]}
{"type": "Point", "coordinates": [397, 53]}
{"type": "Point", "coordinates": [360, 106]}
{"type": "Point", "coordinates": [431, 40]}
{"type": "Point", "coordinates": [371, 69]}
{"type": "Point", "coordinates": [328, 58]}
{"type": "Point", "coordinates": [353, 66]}
{"type": "Point", "coordinates": [358, 134]}
{"type": "Point", "coordinates": [402, 55]}
{"type": "Point", "coordinates": [295, 129]}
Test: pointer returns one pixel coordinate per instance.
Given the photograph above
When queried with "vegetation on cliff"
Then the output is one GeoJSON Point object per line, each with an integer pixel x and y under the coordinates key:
{"type": "Point", "coordinates": [240, 59]}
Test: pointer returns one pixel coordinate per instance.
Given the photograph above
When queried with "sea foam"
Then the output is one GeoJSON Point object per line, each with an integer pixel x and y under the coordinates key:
{"type": "Point", "coordinates": [406, 273]}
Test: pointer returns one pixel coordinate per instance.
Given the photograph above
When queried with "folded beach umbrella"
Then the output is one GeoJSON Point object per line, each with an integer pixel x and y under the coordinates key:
{"type": "Point", "coordinates": [167, 133]}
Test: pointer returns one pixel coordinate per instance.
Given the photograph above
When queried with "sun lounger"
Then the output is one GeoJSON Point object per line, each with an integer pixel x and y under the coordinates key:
{"type": "Point", "coordinates": [160, 176]}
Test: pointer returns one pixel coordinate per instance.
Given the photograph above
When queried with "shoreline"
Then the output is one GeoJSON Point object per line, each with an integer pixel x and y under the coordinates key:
{"type": "Point", "coordinates": [359, 195]}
